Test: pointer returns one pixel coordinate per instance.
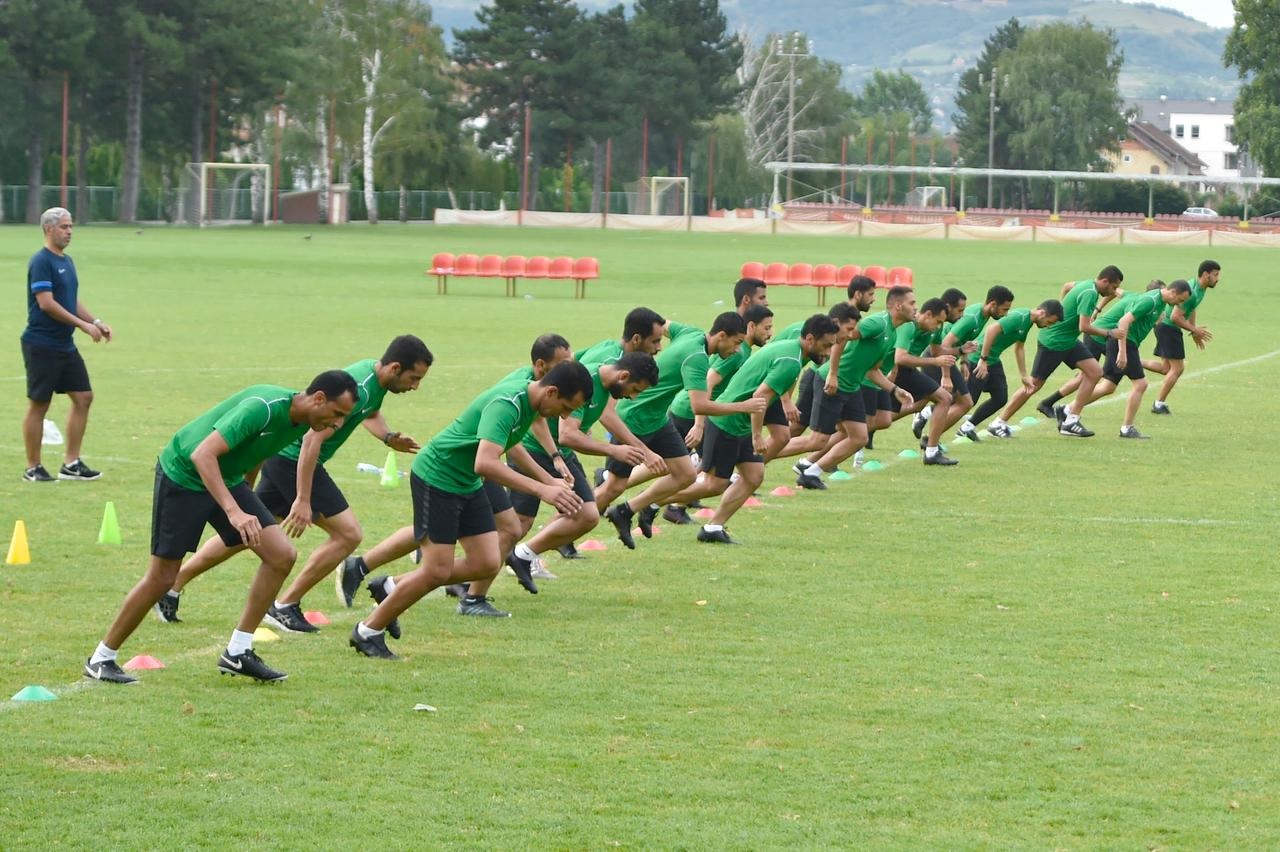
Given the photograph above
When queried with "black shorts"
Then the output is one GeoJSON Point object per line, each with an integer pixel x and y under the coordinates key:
{"type": "Point", "coordinates": [831, 411]}
{"type": "Point", "coordinates": [723, 452]}
{"type": "Point", "coordinates": [1047, 360]}
{"type": "Point", "coordinates": [499, 497]}
{"type": "Point", "coordinates": [443, 517]}
{"type": "Point", "coordinates": [682, 424]}
{"type": "Point", "coordinates": [810, 388]}
{"type": "Point", "coordinates": [995, 379]}
{"type": "Point", "coordinates": [1170, 342]}
{"type": "Point", "coordinates": [915, 382]}
{"type": "Point", "coordinates": [51, 371]}
{"type": "Point", "coordinates": [666, 442]}
{"type": "Point", "coordinates": [178, 516]}
{"type": "Point", "coordinates": [775, 414]}
{"type": "Point", "coordinates": [875, 399]}
{"type": "Point", "coordinates": [527, 504]}
{"type": "Point", "coordinates": [959, 385]}
{"type": "Point", "coordinates": [278, 488]}
{"type": "Point", "coordinates": [1133, 364]}
{"type": "Point", "coordinates": [1096, 349]}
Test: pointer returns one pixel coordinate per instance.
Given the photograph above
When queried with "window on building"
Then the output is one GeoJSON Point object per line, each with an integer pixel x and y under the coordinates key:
{"type": "Point", "coordinates": [1155, 170]}
{"type": "Point", "coordinates": [1177, 131]}
{"type": "Point", "coordinates": [1126, 158]}
{"type": "Point", "coordinates": [1195, 131]}
{"type": "Point", "coordinates": [1231, 133]}
{"type": "Point", "coordinates": [1230, 161]}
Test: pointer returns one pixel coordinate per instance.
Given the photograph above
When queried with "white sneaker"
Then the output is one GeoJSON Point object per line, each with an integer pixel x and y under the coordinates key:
{"type": "Point", "coordinates": [857, 460]}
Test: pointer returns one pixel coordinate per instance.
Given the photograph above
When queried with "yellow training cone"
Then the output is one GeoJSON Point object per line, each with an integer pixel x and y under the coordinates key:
{"type": "Point", "coordinates": [110, 531]}
{"type": "Point", "coordinates": [19, 553]}
{"type": "Point", "coordinates": [265, 634]}
{"type": "Point", "coordinates": [390, 476]}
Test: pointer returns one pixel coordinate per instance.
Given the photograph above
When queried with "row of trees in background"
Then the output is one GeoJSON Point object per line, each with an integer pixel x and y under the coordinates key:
{"type": "Point", "coordinates": [365, 92]}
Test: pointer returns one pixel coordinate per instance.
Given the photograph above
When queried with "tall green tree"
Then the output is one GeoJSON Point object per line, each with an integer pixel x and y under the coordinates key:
{"type": "Point", "coordinates": [973, 114]}
{"type": "Point", "coordinates": [895, 93]}
{"type": "Point", "coordinates": [1253, 48]}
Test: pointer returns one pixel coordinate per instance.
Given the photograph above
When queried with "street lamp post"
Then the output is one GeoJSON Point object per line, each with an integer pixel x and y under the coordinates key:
{"type": "Point", "coordinates": [790, 47]}
{"type": "Point", "coordinates": [991, 127]}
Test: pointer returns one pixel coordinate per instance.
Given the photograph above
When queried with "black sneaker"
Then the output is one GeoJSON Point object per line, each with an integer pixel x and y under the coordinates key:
{"type": "Point", "coordinates": [1075, 430]}
{"type": "Point", "coordinates": [167, 608]}
{"type": "Point", "coordinates": [523, 569]}
{"type": "Point", "coordinates": [1132, 432]}
{"type": "Point", "coordinates": [720, 536]}
{"type": "Point", "coordinates": [290, 618]}
{"type": "Point", "coordinates": [481, 607]}
{"type": "Point", "coordinates": [620, 517]}
{"type": "Point", "coordinates": [871, 441]}
{"type": "Point", "coordinates": [107, 671]}
{"type": "Point", "coordinates": [375, 646]}
{"type": "Point", "coordinates": [940, 458]}
{"type": "Point", "coordinates": [678, 515]}
{"type": "Point", "coordinates": [811, 482]}
{"type": "Point", "coordinates": [78, 471]}
{"type": "Point", "coordinates": [1060, 414]}
{"type": "Point", "coordinates": [1160, 408]}
{"type": "Point", "coordinates": [378, 591]}
{"type": "Point", "coordinates": [645, 519]}
{"type": "Point", "coordinates": [696, 504]}
{"type": "Point", "coordinates": [569, 551]}
{"type": "Point", "coordinates": [249, 664]}
{"type": "Point", "coordinates": [37, 474]}
{"type": "Point", "coordinates": [347, 578]}
{"type": "Point", "coordinates": [597, 476]}
{"type": "Point", "coordinates": [801, 467]}
{"type": "Point", "coordinates": [456, 590]}
{"type": "Point", "coordinates": [969, 432]}
{"type": "Point", "coordinates": [917, 425]}
{"type": "Point", "coordinates": [1046, 409]}
{"type": "Point", "coordinates": [999, 431]}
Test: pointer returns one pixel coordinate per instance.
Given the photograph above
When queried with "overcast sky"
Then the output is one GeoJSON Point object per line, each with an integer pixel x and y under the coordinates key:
{"type": "Point", "coordinates": [1216, 13]}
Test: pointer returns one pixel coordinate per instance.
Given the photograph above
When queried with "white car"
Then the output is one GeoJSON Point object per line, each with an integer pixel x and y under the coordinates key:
{"type": "Point", "coordinates": [1200, 213]}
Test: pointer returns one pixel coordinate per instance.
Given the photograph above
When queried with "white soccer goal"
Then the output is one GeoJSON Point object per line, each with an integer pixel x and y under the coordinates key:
{"type": "Point", "coordinates": [224, 194]}
{"type": "Point", "coordinates": [669, 196]}
{"type": "Point", "coordinates": [927, 196]}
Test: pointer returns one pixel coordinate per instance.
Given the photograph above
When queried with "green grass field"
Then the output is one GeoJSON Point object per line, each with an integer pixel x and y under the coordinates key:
{"type": "Point", "coordinates": [1059, 643]}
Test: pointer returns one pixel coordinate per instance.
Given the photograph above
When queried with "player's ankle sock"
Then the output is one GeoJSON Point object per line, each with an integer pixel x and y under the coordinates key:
{"type": "Point", "coordinates": [999, 421]}
{"type": "Point", "coordinates": [1053, 398]}
{"type": "Point", "coordinates": [1070, 418]}
{"type": "Point", "coordinates": [712, 527]}
{"type": "Point", "coordinates": [523, 551]}
{"type": "Point", "coordinates": [930, 452]}
{"type": "Point", "coordinates": [240, 642]}
{"type": "Point", "coordinates": [366, 632]}
{"type": "Point", "coordinates": [102, 653]}
{"type": "Point", "coordinates": [278, 605]}
{"type": "Point", "coordinates": [471, 599]}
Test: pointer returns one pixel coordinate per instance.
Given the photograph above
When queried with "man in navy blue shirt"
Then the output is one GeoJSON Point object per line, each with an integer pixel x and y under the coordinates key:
{"type": "Point", "coordinates": [54, 312]}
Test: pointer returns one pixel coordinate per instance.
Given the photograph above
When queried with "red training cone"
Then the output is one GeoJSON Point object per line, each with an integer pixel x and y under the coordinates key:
{"type": "Point", "coordinates": [704, 514]}
{"type": "Point", "coordinates": [316, 617]}
{"type": "Point", "coordinates": [593, 544]}
{"type": "Point", "coordinates": [753, 503]}
{"type": "Point", "coordinates": [144, 661]}
{"type": "Point", "coordinates": [782, 491]}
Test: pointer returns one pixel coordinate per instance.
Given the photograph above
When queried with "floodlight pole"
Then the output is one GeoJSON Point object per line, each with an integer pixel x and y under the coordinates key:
{"type": "Point", "coordinates": [66, 97]}
{"type": "Point", "coordinates": [788, 48]}
{"type": "Point", "coordinates": [991, 132]}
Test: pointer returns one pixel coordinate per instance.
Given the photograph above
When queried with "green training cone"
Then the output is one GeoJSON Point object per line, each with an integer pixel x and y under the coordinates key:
{"type": "Point", "coordinates": [909, 454]}
{"type": "Point", "coordinates": [839, 476]}
{"type": "Point", "coordinates": [390, 475]}
{"type": "Point", "coordinates": [34, 693]}
{"type": "Point", "coordinates": [1030, 420]}
{"type": "Point", "coordinates": [872, 465]}
{"type": "Point", "coordinates": [110, 530]}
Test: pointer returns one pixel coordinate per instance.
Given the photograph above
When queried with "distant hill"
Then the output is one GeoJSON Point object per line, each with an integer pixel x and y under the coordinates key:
{"type": "Point", "coordinates": [1166, 53]}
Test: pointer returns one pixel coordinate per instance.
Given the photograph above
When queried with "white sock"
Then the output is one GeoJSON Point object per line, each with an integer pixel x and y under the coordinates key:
{"type": "Point", "coordinates": [804, 462]}
{"type": "Point", "coordinates": [713, 527]}
{"type": "Point", "coordinates": [930, 452]}
{"type": "Point", "coordinates": [102, 653]}
{"type": "Point", "coordinates": [999, 421]}
{"type": "Point", "coordinates": [1071, 418]}
{"type": "Point", "coordinates": [240, 642]}
{"type": "Point", "coordinates": [523, 551]}
{"type": "Point", "coordinates": [389, 584]}
{"type": "Point", "coordinates": [171, 593]}
{"type": "Point", "coordinates": [278, 605]}
{"type": "Point", "coordinates": [365, 632]}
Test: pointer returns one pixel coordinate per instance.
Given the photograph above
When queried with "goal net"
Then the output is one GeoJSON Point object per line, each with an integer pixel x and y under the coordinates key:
{"type": "Point", "coordinates": [927, 196]}
{"type": "Point", "coordinates": [659, 196]}
{"type": "Point", "coordinates": [224, 194]}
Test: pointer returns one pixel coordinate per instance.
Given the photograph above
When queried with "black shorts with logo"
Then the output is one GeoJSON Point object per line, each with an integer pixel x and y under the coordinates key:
{"type": "Point", "coordinates": [723, 452]}
{"type": "Point", "coordinates": [1170, 342]}
{"type": "Point", "coordinates": [179, 515]}
{"type": "Point", "coordinates": [666, 442]}
{"type": "Point", "coordinates": [51, 371]}
{"type": "Point", "coordinates": [1047, 360]}
{"type": "Point", "coordinates": [527, 505]}
{"type": "Point", "coordinates": [278, 488]}
{"type": "Point", "coordinates": [443, 517]}
{"type": "Point", "coordinates": [1133, 364]}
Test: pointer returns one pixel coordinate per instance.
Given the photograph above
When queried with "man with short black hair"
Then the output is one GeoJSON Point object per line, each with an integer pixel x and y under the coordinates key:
{"type": "Point", "coordinates": [959, 339]}
{"type": "Point", "coordinates": [53, 364]}
{"type": "Point", "coordinates": [748, 292]}
{"type": "Point", "coordinates": [200, 479]}
{"type": "Point", "coordinates": [1170, 348]}
{"type": "Point", "coordinates": [986, 373]}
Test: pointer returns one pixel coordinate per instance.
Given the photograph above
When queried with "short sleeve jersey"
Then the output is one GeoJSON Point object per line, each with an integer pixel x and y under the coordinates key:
{"type": "Point", "coordinates": [1189, 306]}
{"type": "Point", "coordinates": [791, 332]}
{"type": "Point", "coordinates": [682, 365]}
{"type": "Point", "coordinates": [1014, 328]}
{"type": "Point", "coordinates": [778, 365]}
{"type": "Point", "coordinates": [369, 396]}
{"type": "Point", "coordinates": [875, 343]}
{"type": "Point", "coordinates": [913, 339]}
{"type": "Point", "coordinates": [1079, 302]}
{"type": "Point", "coordinates": [725, 368]}
{"type": "Point", "coordinates": [502, 415]}
{"type": "Point", "coordinates": [255, 424]}
{"type": "Point", "coordinates": [1146, 307]}
{"type": "Point", "coordinates": [588, 415]}
{"type": "Point", "coordinates": [50, 273]}
{"type": "Point", "coordinates": [604, 352]}
{"type": "Point", "coordinates": [968, 327]}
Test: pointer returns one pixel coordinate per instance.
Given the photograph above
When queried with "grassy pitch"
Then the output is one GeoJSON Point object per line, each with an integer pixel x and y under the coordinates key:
{"type": "Point", "coordinates": [1059, 643]}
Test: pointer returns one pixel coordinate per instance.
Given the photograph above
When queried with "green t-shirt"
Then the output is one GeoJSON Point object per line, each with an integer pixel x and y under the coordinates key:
{"type": "Point", "coordinates": [255, 424]}
{"type": "Point", "coordinates": [588, 415]}
{"type": "Point", "coordinates": [1014, 328]}
{"type": "Point", "coordinates": [604, 352]}
{"type": "Point", "coordinates": [369, 397]}
{"type": "Point", "coordinates": [1189, 306]}
{"type": "Point", "coordinates": [725, 367]}
{"type": "Point", "coordinates": [682, 365]}
{"type": "Point", "coordinates": [1146, 308]}
{"type": "Point", "coordinates": [1079, 302]}
{"type": "Point", "coordinates": [913, 339]}
{"type": "Point", "coordinates": [968, 327]}
{"type": "Point", "coordinates": [875, 343]}
{"type": "Point", "coordinates": [778, 365]}
{"type": "Point", "coordinates": [791, 332]}
{"type": "Point", "coordinates": [502, 415]}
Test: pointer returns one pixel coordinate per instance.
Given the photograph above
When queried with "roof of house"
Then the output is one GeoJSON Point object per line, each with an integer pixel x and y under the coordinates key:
{"type": "Point", "coordinates": [1158, 111]}
{"type": "Point", "coordinates": [1163, 145]}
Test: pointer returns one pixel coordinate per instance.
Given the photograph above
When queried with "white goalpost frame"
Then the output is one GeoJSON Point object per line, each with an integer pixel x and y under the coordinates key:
{"type": "Point", "coordinates": [661, 185]}
{"type": "Point", "coordinates": [200, 192]}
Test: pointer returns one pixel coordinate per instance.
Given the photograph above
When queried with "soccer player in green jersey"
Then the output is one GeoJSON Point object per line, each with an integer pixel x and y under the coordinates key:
{"type": "Point", "coordinates": [748, 292]}
{"type": "Point", "coordinates": [986, 370]}
{"type": "Point", "coordinates": [450, 504]}
{"type": "Point", "coordinates": [960, 338]}
{"type": "Point", "coordinates": [738, 441]}
{"type": "Point", "coordinates": [681, 366]}
{"type": "Point", "coordinates": [1060, 344]}
{"type": "Point", "coordinates": [1134, 316]}
{"type": "Point", "coordinates": [1170, 348]}
{"type": "Point", "coordinates": [295, 486]}
{"type": "Point", "coordinates": [200, 479]}
{"type": "Point", "coordinates": [913, 343]}
{"type": "Point", "coordinates": [642, 331]}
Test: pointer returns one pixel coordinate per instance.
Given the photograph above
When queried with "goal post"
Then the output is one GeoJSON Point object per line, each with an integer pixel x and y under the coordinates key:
{"type": "Point", "coordinates": [669, 196]}
{"type": "Point", "coordinates": [224, 194]}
